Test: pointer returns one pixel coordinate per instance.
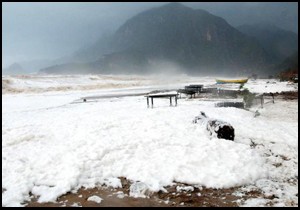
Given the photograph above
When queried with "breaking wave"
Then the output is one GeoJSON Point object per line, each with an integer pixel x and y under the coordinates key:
{"type": "Point", "coordinates": [40, 84]}
{"type": "Point", "coordinates": [48, 83]}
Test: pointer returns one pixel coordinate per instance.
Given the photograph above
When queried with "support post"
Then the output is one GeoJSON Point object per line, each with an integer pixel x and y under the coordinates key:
{"type": "Point", "coordinates": [273, 98]}
{"type": "Point", "coordinates": [148, 102]}
{"type": "Point", "coordinates": [152, 101]}
{"type": "Point", "coordinates": [170, 100]}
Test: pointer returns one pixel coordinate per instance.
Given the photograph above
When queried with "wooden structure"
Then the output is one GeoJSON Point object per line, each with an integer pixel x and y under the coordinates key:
{"type": "Point", "coordinates": [162, 95]}
{"type": "Point", "coordinates": [259, 98]}
{"type": "Point", "coordinates": [196, 88]}
{"type": "Point", "coordinates": [211, 90]}
{"type": "Point", "coordinates": [226, 92]}
{"type": "Point", "coordinates": [187, 92]}
{"type": "Point", "coordinates": [240, 105]}
{"type": "Point", "coordinates": [191, 90]}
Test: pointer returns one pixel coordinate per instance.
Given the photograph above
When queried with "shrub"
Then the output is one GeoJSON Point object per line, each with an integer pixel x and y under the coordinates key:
{"type": "Point", "coordinates": [248, 98]}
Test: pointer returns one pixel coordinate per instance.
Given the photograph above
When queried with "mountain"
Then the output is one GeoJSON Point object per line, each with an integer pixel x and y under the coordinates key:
{"type": "Point", "coordinates": [32, 66]}
{"type": "Point", "coordinates": [14, 68]}
{"type": "Point", "coordinates": [195, 40]}
{"type": "Point", "coordinates": [281, 14]}
{"type": "Point", "coordinates": [279, 43]}
{"type": "Point", "coordinates": [288, 69]}
{"type": "Point", "coordinates": [93, 52]}
{"type": "Point", "coordinates": [290, 63]}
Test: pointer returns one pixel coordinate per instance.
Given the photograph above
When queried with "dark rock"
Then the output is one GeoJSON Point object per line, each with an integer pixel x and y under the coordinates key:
{"type": "Point", "coordinates": [222, 130]}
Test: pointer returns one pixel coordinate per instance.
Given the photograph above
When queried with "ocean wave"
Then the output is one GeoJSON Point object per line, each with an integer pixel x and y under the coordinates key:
{"type": "Point", "coordinates": [39, 84]}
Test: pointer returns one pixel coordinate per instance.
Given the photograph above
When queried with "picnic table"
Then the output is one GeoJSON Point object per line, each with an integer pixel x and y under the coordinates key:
{"type": "Point", "coordinates": [197, 88]}
{"type": "Point", "coordinates": [169, 95]}
{"type": "Point", "coordinates": [187, 92]}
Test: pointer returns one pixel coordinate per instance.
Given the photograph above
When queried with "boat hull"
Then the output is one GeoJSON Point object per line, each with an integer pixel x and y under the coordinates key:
{"type": "Point", "coordinates": [224, 81]}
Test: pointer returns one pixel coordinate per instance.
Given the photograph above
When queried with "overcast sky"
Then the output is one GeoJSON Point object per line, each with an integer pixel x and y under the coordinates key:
{"type": "Point", "coordinates": [51, 30]}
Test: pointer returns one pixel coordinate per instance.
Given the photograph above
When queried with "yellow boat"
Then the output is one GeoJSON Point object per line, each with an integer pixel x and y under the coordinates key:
{"type": "Point", "coordinates": [223, 81]}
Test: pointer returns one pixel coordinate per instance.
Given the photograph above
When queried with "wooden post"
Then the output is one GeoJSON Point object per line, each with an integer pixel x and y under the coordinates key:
{"type": "Point", "coordinates": [148, 102]}
{"type": "Point", "coordinates": [175, 100]}
{"type": "Point", "coordinates": [170, 100]}
{"type": "Point", "coordinates": [273, 98]}
{"type": "Point", "coordinates": [152, 101]}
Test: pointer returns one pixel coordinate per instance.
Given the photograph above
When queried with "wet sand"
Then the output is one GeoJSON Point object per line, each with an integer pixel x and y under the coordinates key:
{"type": "Point", "coordinates": [199, 197]}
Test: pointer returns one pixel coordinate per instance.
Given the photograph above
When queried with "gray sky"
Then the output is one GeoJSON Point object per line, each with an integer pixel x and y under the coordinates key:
{"type": "Point", "coordinates": [51, 30]}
